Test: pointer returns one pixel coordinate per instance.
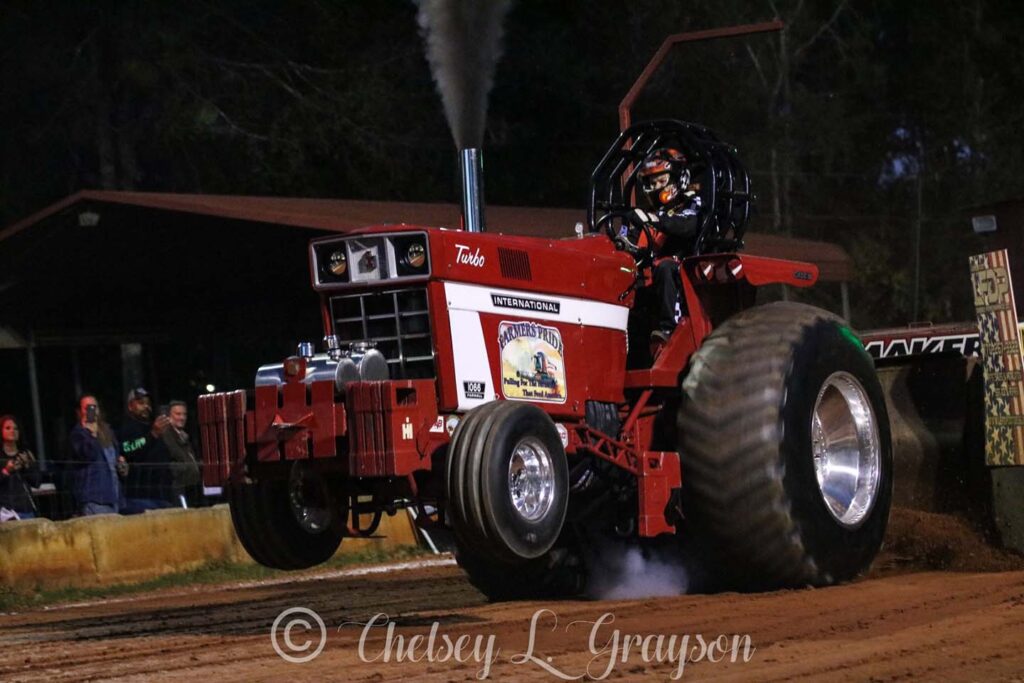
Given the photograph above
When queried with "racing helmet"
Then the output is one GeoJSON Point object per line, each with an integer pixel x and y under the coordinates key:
{"type": "Point", "coordinates": [664, 176]}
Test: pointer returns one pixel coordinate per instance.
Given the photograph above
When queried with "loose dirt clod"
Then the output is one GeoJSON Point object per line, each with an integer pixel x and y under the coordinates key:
{"type": "Point", "coordinates": [921, 541]}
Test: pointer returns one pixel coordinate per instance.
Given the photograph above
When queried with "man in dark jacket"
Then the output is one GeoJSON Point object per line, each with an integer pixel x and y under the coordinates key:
{"type": "Point", "coordinates": [148, 484]}
{"type": "Point", "coordinates": [185, 476]}
{"type": "Point", "coordinates": [94, 462]}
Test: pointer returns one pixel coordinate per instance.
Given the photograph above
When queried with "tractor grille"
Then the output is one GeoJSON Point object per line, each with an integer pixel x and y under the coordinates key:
{"type": "Point", "coordinates": [396, 321]}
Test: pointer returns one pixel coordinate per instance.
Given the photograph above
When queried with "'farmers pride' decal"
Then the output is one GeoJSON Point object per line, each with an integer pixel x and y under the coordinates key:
{"type": "Point", "coordinates": [532, 367]}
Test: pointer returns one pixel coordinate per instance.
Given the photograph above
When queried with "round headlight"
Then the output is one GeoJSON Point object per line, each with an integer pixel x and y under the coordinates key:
{"type": "Point", "coordinates": [337, 263]}
{"type": "Point", "coordinates": [415, 255]}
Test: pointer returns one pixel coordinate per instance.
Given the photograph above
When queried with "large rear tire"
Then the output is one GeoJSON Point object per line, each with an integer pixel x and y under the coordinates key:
{"type": "Point", "coordinates": [785, 447]}
{"type": "Point", "coordinates": [288, 523]}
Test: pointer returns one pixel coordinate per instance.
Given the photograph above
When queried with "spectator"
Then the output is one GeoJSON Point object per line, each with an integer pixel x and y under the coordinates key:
{"type": "Point", "coordinates": [183, 464]}
{"type": "Point", "coordinates": [148, 484]}
{"type": "Point", "coordinates": [96, 466]}
{"type": "Point", "coordinates": [20, 470]}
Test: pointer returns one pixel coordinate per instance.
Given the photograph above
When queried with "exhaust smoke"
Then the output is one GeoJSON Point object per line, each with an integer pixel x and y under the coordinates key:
{"type": "Point", "coordinates": [624, 571]}
{"type": "Point", "coordinates": [463, 40]}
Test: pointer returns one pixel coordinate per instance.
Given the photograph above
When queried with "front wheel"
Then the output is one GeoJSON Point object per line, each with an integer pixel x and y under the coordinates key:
{"type": "Point", "coordinates": [507, 482]}
{"type": "Point", "coordinates": [785, 447]}
{"type": "Point", "coordinates": [507, 492]}
{"type": "Point", "coordinates": [293, 522]}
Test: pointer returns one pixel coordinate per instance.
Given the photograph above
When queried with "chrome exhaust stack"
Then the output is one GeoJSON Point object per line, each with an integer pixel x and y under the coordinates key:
{"type": "Point", "coordinates": [471, 162]}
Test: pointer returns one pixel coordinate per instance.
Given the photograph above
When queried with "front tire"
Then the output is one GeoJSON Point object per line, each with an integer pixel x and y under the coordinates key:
{"type": "Point", "coordinates": [507, 481]}
{"type": "Point", "coordinates": [507, 491]}
{"type": "Point", "coordinates": [558, 573]}
{"type": "Point", "coordinates": [785, 447]}
{"type": "Point", "coordinates": [288, 523]}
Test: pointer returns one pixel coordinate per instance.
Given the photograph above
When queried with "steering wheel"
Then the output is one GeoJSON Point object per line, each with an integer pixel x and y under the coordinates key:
{"type": "Point", "coordinates": [644, 255]}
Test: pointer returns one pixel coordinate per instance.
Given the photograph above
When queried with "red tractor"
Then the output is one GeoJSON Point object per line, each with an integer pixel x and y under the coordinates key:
{"type": "Point", "coordinates": [756, 441]}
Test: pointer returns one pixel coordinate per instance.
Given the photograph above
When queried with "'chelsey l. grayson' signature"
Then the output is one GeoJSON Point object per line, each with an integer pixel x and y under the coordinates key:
{"type": "Point", "coordinates": [607, 646]}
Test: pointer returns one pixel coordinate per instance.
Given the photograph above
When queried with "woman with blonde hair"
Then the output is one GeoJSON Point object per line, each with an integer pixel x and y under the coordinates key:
{"type": "Point", "coordinates": [96, 468]}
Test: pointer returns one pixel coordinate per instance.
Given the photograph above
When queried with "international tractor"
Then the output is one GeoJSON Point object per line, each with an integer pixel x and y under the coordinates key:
{"type": "Point", "coordinates": [504, 388]}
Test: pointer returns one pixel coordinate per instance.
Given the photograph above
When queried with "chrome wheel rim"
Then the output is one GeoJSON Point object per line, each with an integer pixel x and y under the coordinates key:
{"type": "Point", "coordinates": [847, 452]}
{"type": "Point", "coordinates": [531, 479]}
{"type": "Point", "coordinates": [309, 499]}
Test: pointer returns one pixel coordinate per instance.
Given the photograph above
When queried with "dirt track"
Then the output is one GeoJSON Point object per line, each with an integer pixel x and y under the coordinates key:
{"type": "Point", "coordinates": [919, 625]}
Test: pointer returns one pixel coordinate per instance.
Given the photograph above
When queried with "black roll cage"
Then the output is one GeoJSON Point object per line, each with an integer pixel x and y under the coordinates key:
{"type": "Point", "coordinates": [725, 190]}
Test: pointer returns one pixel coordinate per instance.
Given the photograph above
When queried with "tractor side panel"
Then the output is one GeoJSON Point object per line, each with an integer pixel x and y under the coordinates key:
{"type": "Point", "coordinates": [441, 328]}
{"type": "Point", "coordinates": [588, 268]}
{"type": "Point", "coordinates": [604, 358]}
{"type": "Point", "coordinates": [552, 350]}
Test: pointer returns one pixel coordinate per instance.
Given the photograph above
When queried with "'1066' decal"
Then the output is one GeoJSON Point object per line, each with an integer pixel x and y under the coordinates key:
{"type": "Point", "coordinates": [474, 390]}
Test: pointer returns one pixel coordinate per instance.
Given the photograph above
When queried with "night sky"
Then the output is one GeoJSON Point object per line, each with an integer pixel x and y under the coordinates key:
{"type": "Point", "coordinates": [860, 121]}
{"type": "Point", "coordinates": [839, 120]}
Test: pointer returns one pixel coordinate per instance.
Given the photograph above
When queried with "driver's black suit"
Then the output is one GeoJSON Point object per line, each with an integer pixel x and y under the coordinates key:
{"type": "Point", "coordinates": [676, 227]}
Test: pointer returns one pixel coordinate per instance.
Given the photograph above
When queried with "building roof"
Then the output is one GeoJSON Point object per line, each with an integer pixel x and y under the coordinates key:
{"type": "Point", "coordinates": [152, 265]}
{"type": "Point", "coordinates": [342, 215]}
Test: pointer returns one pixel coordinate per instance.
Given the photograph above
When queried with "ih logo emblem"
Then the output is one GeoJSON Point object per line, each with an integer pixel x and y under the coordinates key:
{"type": "Point", "coordinates": [407, 430]}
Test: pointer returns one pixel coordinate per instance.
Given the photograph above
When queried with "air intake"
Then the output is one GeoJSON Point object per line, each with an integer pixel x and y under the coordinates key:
{"type": "Point", "coordinates": [514, 263]}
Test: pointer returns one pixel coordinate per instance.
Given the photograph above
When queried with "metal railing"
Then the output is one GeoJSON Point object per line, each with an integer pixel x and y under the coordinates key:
{"type": "Point", "coordinates": [64, 485]}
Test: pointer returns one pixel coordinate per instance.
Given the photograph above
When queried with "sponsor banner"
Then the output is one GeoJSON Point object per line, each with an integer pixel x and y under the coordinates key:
{"type": "Point", "coordinates": [532, 362]}
{"type": "Point", "coordinates": [445, 425]}
{"type": "Point", "coordinates": [1000, 349]}
{"type": "Point", "coordinates": [968, 344]}
{"type": "Point", "coordinates": [480, 299]}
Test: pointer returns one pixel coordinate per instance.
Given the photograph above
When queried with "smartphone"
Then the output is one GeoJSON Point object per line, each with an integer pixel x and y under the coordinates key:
{"type": "Point", "coordinates": [90, 413]}
{"type": "Point", "coordinates": [164, 410]}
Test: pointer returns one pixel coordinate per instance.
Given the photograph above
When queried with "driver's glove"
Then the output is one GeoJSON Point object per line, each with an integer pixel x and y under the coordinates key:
{"type": "Point", "coordinates": [645, 216]}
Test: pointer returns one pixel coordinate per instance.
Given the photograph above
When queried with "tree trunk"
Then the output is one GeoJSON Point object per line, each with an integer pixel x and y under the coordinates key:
{"type": "Point", "coordinates": [104, 140]}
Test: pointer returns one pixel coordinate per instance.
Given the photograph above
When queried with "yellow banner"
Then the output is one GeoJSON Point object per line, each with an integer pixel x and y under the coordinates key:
{"type": "Point", "coordinates": [996, 311]}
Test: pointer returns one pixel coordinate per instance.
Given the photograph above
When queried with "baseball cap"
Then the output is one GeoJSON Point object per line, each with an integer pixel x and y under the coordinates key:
{"type": "Point", "coordinates": [137, 393]}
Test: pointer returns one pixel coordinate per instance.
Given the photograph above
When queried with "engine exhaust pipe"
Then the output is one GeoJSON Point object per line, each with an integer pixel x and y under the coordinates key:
{"type": "Point", "coordinates": [471, 161]}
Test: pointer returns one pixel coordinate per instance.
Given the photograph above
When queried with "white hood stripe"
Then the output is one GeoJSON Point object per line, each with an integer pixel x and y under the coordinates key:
{"type": "Point", "coordinates": [462, 297]}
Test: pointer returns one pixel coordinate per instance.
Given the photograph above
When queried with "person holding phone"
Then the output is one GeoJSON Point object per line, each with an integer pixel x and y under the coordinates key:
{"type": "Point", "coordinates": [96, 466]}
{"type": "Point", "coordinates": [148, 485]}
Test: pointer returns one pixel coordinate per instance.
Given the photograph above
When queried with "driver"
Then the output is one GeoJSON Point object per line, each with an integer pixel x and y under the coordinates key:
{"type": "Point", "coordinates": [674, 203]}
